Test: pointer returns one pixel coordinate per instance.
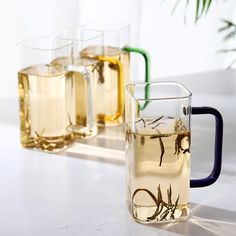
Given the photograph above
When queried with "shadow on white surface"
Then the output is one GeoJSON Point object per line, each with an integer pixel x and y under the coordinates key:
{"type": "Point", "coordinates": [92, 153]}
{"type": "Point", "coordinates": [108, 146]}
{"type": "Point", "coordinates": [204, 220]}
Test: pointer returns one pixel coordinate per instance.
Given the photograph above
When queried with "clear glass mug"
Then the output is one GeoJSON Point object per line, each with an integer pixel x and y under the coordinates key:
{"type": "Point", "coordinates": [158, 140]}
{"type": "Point", "coordinates": [89, 51]}
{"type": "Point", "coordinates": [111, 88]}
{"type": "Point", "coordinates": [83, 40]}
{"type": "Point", "coordinates": [47, 93]}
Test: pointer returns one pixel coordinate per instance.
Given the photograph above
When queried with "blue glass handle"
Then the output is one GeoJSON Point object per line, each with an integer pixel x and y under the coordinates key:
{"type": "Point", "coordinates": [215, 173]}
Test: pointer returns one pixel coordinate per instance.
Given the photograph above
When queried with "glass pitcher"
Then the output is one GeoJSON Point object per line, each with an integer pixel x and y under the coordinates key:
{"type": "Point", "coordinates": [47, 93]}
{"type": "Point", "coordinates": [158, 140]}
{"type": "Point", "coordinates": [83, 40]}
{"type": "Point", "coordinates": [89, 52]}
{"type": "Point", "coordinates": [116, 47]}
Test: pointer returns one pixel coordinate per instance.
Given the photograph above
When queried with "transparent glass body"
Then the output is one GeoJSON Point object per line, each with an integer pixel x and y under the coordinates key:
{"type": "Point", "coordinates": [157, 151]}
{"type": "Point", "coordinates": [85, 41]}
{"type": "Point", "coordinates": [112, 78]}
{"type": "Point", "coordinates": [46, 95]}
{"type": "Point", "coordinates": [106, 72]}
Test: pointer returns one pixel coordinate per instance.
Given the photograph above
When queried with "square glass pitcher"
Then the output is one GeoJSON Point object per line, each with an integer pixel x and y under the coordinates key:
{"type": "Point", "coordinates": [47, 94]}
{"type": "Point", "coordinates": [158, 153]}
{"type": "Point", "coordinates": [113, 79]}
{"type": "Point", "coordinates": [108, 93]}
{"type": "Point", "coordinates": [82, 41]}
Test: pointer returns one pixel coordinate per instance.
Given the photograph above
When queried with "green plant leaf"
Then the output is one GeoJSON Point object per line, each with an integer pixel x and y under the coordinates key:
{"type": "Point", "coordinates": [175, 6]}
{"type": "Point", "coordinates": [208, 6]}
{"type": "Point", "coordinates": [185, 12]}
{"type": "Point", "coordinates": [197, 10]}
{"type": "Point", "coordinates": [203, 6]}
{"type": "Point", "coordinates": [229, 23]}
{"type": "Point", "coordinates": [230, 35]}
{"type": "Point", "coordinates": [230, 27]}
{"type": "Point", "coordinates": [224, 28]}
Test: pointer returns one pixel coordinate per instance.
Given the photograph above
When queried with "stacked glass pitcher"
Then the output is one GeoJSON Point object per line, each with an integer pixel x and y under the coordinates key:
{"type": "Point", "coordinates": [73, 82]}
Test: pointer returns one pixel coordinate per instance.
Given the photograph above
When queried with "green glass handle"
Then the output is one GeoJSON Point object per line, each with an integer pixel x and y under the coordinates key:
{"type": "Point", "coordinates": [147, 60]}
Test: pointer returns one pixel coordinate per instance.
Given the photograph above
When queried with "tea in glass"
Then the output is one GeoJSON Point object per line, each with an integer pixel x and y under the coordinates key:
{"type": "Point", "coordinates": [158, 140]}
{"type": "Point", "coordinates": [109, 88]}
{"type": "Point", "coordinates": [160, 152]}
{"type": "Point", "coordinates": [46, 107]}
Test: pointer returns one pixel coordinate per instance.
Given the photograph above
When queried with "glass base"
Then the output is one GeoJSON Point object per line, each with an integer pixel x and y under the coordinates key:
{"type": "Point", "coordinates": [161, 215]}
{"type": "Point", "coordinates": [102, 121]}
{"type": "Point", "coordinates": [48, 144]}
{"type": "Point", "coordinates": [85, 132]}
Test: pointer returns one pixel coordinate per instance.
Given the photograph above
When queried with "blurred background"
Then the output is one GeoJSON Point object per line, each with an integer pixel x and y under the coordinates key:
{"type": "Point", "coordinates": [177, 45]}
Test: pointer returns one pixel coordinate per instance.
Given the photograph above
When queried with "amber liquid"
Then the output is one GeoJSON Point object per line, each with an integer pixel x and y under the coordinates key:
{"type": "Point", "coordinates": [157, 161]}
{"type": "Point", "coordinates": [46, 107]}
{"type": "Point", "coordinates": [109, 105]}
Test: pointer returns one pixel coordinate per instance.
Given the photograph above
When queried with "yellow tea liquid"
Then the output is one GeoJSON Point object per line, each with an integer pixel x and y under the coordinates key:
{"type": "Point", "coordinates": [46, 107]}
{"type": "Point", "coordinates": [109, 106]}
{"type": "Point", "coordinates": [158, 168]}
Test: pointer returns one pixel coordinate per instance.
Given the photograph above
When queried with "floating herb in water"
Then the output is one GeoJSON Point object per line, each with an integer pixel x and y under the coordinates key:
{"type": "Point", "coordinates": [179, 143]}
{"type": "Point", "coordinates": [144, 123]}
{"type": "Point", "coordinates": [99, 68]}
{"type": "Point", "coordinates": [164, 210]}
{"type": "Point", "coordinates": [155, 121]}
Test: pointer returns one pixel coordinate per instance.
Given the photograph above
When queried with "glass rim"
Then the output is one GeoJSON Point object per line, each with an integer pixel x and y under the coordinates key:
{"type": "Point", "coordinates": [187, 96]}
{"type": "Point", "coordinates": [100, 34]}
{"type": "Point", "coordinates": [23, 44]}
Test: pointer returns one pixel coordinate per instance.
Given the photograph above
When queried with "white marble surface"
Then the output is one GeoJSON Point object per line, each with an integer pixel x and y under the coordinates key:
{"type": "Point", "coordinates": [76, 194]}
